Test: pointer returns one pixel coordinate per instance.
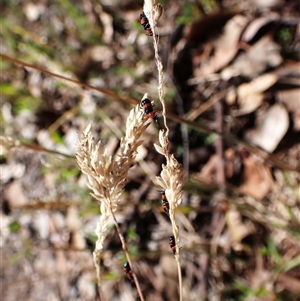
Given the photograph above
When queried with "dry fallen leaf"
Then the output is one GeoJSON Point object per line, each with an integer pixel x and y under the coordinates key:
{"type": "Point", "coordinates": [272, 129]}
{"type": "Point", "coordinates": [262, 55]}
{"type": "Point", "coordinates": [268, 3]}
{"type": "Point", "coordinates": [292, 283]}
{"type": "Point", "coordinates": [250, 95]}
{"type": "Point", "coordinates": [257, 179]}
{"type": "Point", "coordinates": [207, 174]}
{"type": "Point", "coordinates": [226, 46]}
{"type": "Point", "coordinates": [256, 25]}
{"type": "Point", "coordinates": [291, 99]}
{"type": "Point", "coordinates": [15, 194]}
{"type": "Point", "coordinates": [238, 229]}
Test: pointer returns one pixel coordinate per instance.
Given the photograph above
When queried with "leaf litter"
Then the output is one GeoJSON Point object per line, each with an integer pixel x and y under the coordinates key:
{"type": "Point", "coordinates": [249, 222]}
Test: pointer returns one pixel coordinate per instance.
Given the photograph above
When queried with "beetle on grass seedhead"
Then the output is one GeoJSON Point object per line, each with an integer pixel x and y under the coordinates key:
{"type": "Point", "coordinates": [172, 244]}
{"type": "Point", "coordinates": [147, 107]}
{"type": "Point", "coordinates": [146, 25]}
{"type": "Point", "coordinates": [164, 202]}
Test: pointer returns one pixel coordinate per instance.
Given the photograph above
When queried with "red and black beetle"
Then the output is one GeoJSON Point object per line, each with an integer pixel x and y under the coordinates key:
{"type": "Point", "coordinates": [172, 244]}
{"type": "Point", "coordinates": [147, 106]}
{"type": "Point", "coordinates": [145, 23]}
{"type": "Point", "coordinates": [127, 271]}
{"type": "Point", "coordinates": [164, 202]}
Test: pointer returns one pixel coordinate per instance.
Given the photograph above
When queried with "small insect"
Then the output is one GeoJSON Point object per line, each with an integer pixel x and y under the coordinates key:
{"type": "Point", "coordinates": [172, 244]}
{"type": "Point", "coordinates": [147, 106]}
{"type": "Point", "coordinates": [145, 23]}
{"type": "Point", "coordinates": [164, 202]}
{"type": "Point", "coordinates": [127, 271]}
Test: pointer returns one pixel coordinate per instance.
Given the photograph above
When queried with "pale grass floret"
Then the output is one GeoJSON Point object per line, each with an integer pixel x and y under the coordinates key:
{"type": "Point", "coordinates": [171, 179]}
{"type": "Point", "coordinates": [106, 175]}
{"type": "Point", "coordinates": [172, 176]}
{"type": "Point", "coordinates": [153, 11]}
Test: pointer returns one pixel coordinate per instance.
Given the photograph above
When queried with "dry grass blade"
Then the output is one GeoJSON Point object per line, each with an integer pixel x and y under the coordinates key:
{"type": "Point", "coordinates": [108, 93]}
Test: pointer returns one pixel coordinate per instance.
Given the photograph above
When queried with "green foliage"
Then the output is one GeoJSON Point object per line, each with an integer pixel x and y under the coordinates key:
{"type": "Point", "coordinates": [188, 13]}
{"type": "Point", "coordinates": [57, 137]}
{"type": "Point", "coordinates": [82, 28]}
{"type": "Point", "coordinates": [92, 237]}
{"type": "Point", "coordinates": [74, 13]}
{"type": "Point", "coordinates": [293, 263]}
{"type": "Point", "coordinates": [247, 291]}
{"type": "Point", "coordinates": [131, 233]}
{"type": "Point", "coordinates": [126, 71]}
{"type": "Point", "coordinates": [90, 207]}
{"type": "Point", "coordinates": [287, 178]}
{"type": "Point", "coordinates": [271, 250]}
{"type": "Point", "coordinates": [16, 257]}
{"type": "Point", "coordinates": [284, 36]}
{"type": "Point", "coordinates": [208, 5]}
{"type": "Point", "coordinates": [111, 276]}
{"type": "Point", "coordinates": [21, 39]}
{"type": "Point", "coordinates": [280, 265]}
{"type": "Point", "coordinates": [14, 227]}
{"type": "Point", "coordinates": [211, 138]}
{"type": "Point", "coordinates": [185, 209]}
{"type": "Point", "coordinates": [131, 242]}
{"type": "Point", "coordinates": [179, 151]}
{"type": "Point", "coordinates": [8, 89]}
{"type": "Point", "coordinates": [26, 102]}
{"type": "Point", "coordinates": [24, 252]}
{"type": "Point", "coordinates": [4, 65]}
{"type": "Point", "coordinates": [66, 174]}
{"type": "Point", "coordinates": [19, 98]}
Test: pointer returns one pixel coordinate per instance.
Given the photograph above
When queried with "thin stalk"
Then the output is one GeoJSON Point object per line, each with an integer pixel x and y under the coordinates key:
{"type": "Point", "coordinates": [177, 257]}
{"type": "Point", "coordinates": [177, 254]}
{"type": "Point", "coordinates": [97, 266]}
{"type": "Point", "coordinates": [173, 166]}
{"type": "Point", "coordinates": [124, 246]}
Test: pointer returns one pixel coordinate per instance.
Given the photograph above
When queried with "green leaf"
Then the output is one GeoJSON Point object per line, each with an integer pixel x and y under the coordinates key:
{"type": "Point", "coordinates": [14, 227]}
{"type": "Point", "coordinates": [8, 89]}
{"type": "Point", "coordinates": [294, 262]}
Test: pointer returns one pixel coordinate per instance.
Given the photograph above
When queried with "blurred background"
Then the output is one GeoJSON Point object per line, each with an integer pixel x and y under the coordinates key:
{"type": "Point", "coordinates": [232, 82]}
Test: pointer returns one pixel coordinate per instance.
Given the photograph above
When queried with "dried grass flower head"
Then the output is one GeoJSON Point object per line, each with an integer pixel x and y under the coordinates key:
{"type": "Point", "coordinates": [106, 175]}
{"type": "Point", "coordinates": [172, 177]}
{"type": "Point", "coordinates": [153, 11]}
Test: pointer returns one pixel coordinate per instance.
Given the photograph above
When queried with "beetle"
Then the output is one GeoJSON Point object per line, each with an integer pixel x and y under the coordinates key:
{"type": "Point", "coordinates": [172, 244]}
{"type": "Point", "coordinates": [127, 271]}
{"type": "Point", "coordinates": [147, 107]}
{"type": "Point", "coordinates": [164, 202]}
{"type": "Point", "coordinates": [145, 23]}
